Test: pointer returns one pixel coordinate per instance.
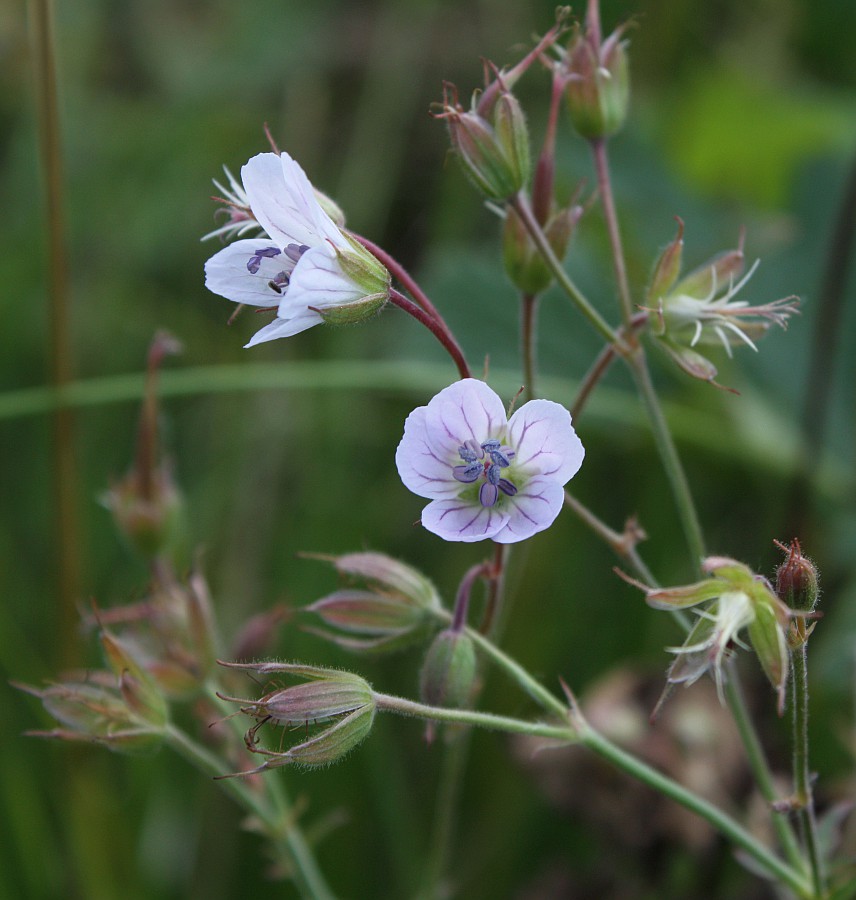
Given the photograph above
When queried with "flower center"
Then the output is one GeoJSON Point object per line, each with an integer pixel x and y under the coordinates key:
{"type": "Point", "coordinates": [485, 461]}
{"type": "Point", "coordinates": [292, 253]}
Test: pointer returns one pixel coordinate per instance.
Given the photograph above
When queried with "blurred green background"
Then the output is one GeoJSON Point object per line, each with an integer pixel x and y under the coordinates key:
{"type": "Point", "coordinates": [744, 114]}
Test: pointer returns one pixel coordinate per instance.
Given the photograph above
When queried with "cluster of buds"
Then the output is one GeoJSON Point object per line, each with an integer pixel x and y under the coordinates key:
{"type": "Point", "coordinates": [158, 650]}
{"type": "Point", "coordinates": [395, 606]}
{"type": "Point", "coordinates": [338, 706]}
{"type": "Point", "coordinates": [730, 599]}
{"type": "Point", "coordinates": [699, 309]}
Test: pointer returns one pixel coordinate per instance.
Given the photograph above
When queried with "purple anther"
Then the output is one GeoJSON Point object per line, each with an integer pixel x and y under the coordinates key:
{"type": "Point", "coordinates": [255, 261]}
{"type": "Point", "coordinates": [295, 251]}
{"type": "Point", "coordinates": [507, 487]}
{"type": "Point", "coordinates": [500, 456]}
{"type": "Point", "coordinates": [279, 282]}
{"type": "Point", "coordinates": [488, 494]}
{"type": "Point", "coordinates": [467, 474]}
{"type": "Point", "coordinates": [493, 474]}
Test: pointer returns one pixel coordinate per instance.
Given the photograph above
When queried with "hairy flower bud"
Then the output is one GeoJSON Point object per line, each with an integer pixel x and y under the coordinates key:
{"type": "Point", "coordinates": [494, 154]}
{"type": "Point", "coordinates": [395, 608]}
{"type": "Point", "coordinates": [449, 671]}
{"type": "Point", "coordinates": [341, 705]}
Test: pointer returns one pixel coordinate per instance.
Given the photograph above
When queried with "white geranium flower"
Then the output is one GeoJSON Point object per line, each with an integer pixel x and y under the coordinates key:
{"type": "Point", "coordinates": [305, 267]}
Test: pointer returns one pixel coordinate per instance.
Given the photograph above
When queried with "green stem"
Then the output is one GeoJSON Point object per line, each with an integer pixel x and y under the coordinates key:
{"type": "Point", "coordinates": [68, 554]}
{"type": "Point", "coordinates": [604, 183]}
{"type": "Point", "coordinates": [521, 207]}
{"type": "Point", "coordinates": [279, 829]}
{"type": "Point", "coordinates": [404, 707]}
{"type": "Point", "coordinates": [760, 767]}
{"type": "Point", "coordinates": [278, 818]}
{"type": "Point", "coordinates": [803, 794]}
{"type": "Point", "coordinates": [585, 734]}
{"type": "Point", "coordinates": [668, 456]}
{"type": "Point", "coordinates": [720, 820]}
{"type": "Point", "coordinates": [528, 341]}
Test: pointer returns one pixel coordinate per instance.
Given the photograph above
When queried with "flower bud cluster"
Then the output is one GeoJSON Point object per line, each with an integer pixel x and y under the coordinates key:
{"type": "Point", "coordinates": [393, 606]}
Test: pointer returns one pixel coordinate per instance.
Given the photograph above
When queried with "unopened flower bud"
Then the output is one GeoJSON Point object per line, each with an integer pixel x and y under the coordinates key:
{"type": "Point", "coordinates": [797, 579]}
{"type": "Point", "coordinates": [449, 671]}
{"type": "Point", "coordinates": [598, 88]}
{"type": "Point", "coordinates": [494, 154]}
{"type": "Point", "coordinates": [394, 610]}
{"type": "Point", "coordinates": [342, 704]}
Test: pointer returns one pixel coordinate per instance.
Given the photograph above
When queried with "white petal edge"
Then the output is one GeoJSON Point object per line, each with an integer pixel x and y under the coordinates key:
{"type": "Point", "coordinates": [318, 280]}
{"type": "Point", "coordinates": [465, 410]}
{"type": "Point", "coordinates": [281, 328]}
{"type": "Point", "coordinates": [457, 520]}
{"type": "Point", "coordinates": [545, 441]}
{"type": "Point", "coordinates": [532, 509]}
{"type": "Point", "coordinates": [421, 469]}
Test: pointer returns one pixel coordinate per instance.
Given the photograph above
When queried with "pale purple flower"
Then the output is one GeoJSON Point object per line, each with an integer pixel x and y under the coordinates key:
{"type": "Point", "coordinates": [488, 476]}
{"type": "Point", "coordinates": [304, 266]}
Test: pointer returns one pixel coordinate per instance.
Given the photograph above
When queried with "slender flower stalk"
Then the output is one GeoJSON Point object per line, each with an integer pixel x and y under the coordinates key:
{"type": "Point", "coordinates": [520, 204]}
{"type": "Point", "coordinates": [803, 793]}
{"type": "Point", "coordinates": [604, 183]}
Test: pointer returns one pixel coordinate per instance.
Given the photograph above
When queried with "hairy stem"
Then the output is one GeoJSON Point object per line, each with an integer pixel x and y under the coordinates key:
{"type": "Point", "coordinates": [803, 794]}
{"type": "Point", "coordinates": [522, 208]}
{"type": "Point", "coordinates": [528, 342]}
{"type": "Point", "coordinates": [276, 818]}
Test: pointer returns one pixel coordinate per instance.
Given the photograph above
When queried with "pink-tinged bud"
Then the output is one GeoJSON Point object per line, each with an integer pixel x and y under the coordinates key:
{"type": "Point", "coordinates": [449, 671]}
{"type": "Point", "coordinates": [342, 704]}
{"type": "Point", "coordinates": [524, 265]}
{"type": "Point", "coordinates": [598, 82]}
{"type": "Point", "coordinates": [396, 607]}
{"type": "Point", "coordinates": [494, 154]}
{"type": "Point", "coordinates": [797, 581]}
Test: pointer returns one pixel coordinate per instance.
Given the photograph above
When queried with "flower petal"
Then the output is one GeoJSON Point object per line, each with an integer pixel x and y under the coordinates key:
{"type": "Point", "coordinates": [283, 202]}
{"type": "Point", "coordinates": [466, 410]}
{"type": "Point", "coordinates": [226, 273]}
{"type": "Point", "coordinates": [545, 441]}
{"type": "Point", "coordinates": [282, 327]}
{"type": "Point", "coordinates": [461, 520]}
{"type": "Point", "coordinates": [420, 467]}
{"type": "Point", "coordinates": [318, 280]}
{"type": "Point", "coordinates": [532, 509]}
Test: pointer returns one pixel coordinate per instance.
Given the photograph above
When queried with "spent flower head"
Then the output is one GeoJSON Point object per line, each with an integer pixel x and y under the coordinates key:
{"type": "Point", "coordinates": [730, 600]}
{"type": "Point", "coordinates": [488, 476]}
{"type": "Point", "coordinates": [700, 309]}
{"type": "Point", "coordinates": [342, 704]}
{"type": "Point", "coordinates": [305, 267]}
